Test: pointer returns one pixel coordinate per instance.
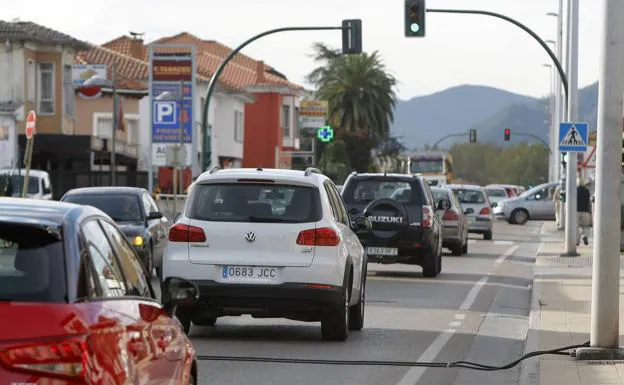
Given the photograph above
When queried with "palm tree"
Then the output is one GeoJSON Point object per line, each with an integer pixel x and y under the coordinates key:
{"type": "Point", "coordinates": [358, 88]}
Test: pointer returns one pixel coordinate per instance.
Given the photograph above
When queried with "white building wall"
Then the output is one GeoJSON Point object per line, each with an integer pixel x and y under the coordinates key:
{"type": "Point", "coordinates": [227, 146]}
{"type": "Point", "coordinates": [11, 73]}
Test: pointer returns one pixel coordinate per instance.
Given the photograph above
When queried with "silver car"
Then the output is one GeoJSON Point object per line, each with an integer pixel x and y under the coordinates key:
{"type": "Point", "coordinates": [477, 208]}
{"type": "Point", "coordinates": [536, 203]}
{"type": "Point", "coordinates": [455, 236]}
{"type": "Point", "coordinates": [495, 194]}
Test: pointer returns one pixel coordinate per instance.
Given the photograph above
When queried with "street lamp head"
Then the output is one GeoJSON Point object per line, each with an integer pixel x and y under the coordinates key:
{"type": "Point", "coordinates": [97, 81]}
{"type": "Point", "coordinates": [166, 95]}
{"type": "Point", "coordinates": [555, 14]}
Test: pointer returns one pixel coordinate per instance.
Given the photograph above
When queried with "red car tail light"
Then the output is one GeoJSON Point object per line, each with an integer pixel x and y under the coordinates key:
{"type": "Point", "coordinates": [64, 359]}
{"type": "Point", "coordinates": [186, 233]}
{"type": "Point", "coordinates": [427, 214]}
{"type": "Point", "coordinates": [325, 236]}
{"type": "Point", "coordinates": [449, 215]}
{"type": "Point", "coordinates": [485, 211]}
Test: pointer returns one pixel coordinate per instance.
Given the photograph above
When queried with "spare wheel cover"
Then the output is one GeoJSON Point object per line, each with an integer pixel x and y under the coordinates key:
{"type": "Point", "coordinates": [389, 219]}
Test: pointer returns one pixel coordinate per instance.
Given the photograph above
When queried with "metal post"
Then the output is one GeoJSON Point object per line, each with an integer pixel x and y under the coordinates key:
{"type": "Point", "coordinates": [604, 337]}
{"type": "Point", "coordinates": [113, 160]}
{"type": "Point", "coordinates": [181, 162]}
{"type": "Point", "coordinates": [27, 164]}
{"type": "Point", "coordinates": [570, 209]}
{"type": "Point", "coordinates": [558, 95]}
{"type": "Point", "coordinates": [150, 147]}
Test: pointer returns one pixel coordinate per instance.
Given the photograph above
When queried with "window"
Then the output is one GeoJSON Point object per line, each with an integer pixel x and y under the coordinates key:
{"type": "Point", "coordinates": [469, 195]}
{"type": "Point", "coordinates": [46, 88]}
{"type": "Point", "coordinates": [239, 124]}
{"type": "Point", "coordinates": [497, 193]}
{"type": "Point", "coordinates": [106, 265]}
{"type": "Point", "coordinates": [147, 205]}
{"type": "Point", "coordinates": [32, 264]}
{"type": "Point", "coordinates": [104, 126]}
{"type": "Point", "coordinates": [31, 81]}
{"type": "Point", "coordinates": [365, 191]}
{"type": "Point", "coordinates": [426, 165]}
{"type": "Point", "coordinates": [286, 121]}
{"type": "Point", "coordinates": [438, 195]}
{"type": "Point", "coordinates": [121, 208]}
{"type": "Point", "coordinates": [137, 281]}
{"type": "Point", "coordinates": [340, 213]}
{"type": "Point", "coordinates": [265, 203]}
{"type": "Point", "coordinates": [132, 129]}
{"type": "Point", "coordinates": [68, 91]}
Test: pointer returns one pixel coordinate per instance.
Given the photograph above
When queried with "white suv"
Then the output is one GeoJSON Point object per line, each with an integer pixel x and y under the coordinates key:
{"type": "Point", "coordinates": [273, 244]}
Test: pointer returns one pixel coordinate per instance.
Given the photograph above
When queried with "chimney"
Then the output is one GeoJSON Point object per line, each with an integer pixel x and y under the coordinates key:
{"type": "Point", "coordinates": [136, 46]}
{"type": "Point", "coordinates": [260, 69]}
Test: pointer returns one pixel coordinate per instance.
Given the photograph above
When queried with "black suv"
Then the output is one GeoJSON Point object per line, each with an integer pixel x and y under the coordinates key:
{"type": "Point", "coordinates": [406, 225]}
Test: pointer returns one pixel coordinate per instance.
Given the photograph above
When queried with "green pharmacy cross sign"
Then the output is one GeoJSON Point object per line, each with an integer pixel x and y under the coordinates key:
{"type": "Point", "coordinates": [325, 134]}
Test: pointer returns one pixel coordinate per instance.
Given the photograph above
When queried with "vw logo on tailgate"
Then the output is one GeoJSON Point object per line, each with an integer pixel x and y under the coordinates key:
{"type": "Point", "coordinates": [250, 236]}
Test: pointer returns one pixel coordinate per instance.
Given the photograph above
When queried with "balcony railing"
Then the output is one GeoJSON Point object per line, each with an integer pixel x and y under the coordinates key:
{"type": "Point", "coordinates": [122, 147]}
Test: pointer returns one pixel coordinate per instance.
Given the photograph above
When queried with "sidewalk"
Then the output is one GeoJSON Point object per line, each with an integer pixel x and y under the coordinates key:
{"type": "Point", "coordinates": [560, 316]}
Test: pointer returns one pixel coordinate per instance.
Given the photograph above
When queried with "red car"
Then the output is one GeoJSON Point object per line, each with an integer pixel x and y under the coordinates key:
{"type": "Point", "coordinates": [76, 304]}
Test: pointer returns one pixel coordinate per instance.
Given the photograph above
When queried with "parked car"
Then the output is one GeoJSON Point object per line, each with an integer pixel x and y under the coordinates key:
{"type": "Point", "coordinates": [250, 255]}
{"type": "Point", "coordinates": [137, 215]}
{"type": "Point", "coordinates": [406, 227]}
{"type": "Point", "coordinates": [39, 185]}
{"type": "Point", "coordinates": [455, 222]}
{"type": "Point", "coordinates": [477, 208]}
{"type": "Point", "coordinates": [536, 203]}
{"type": "Point", "coordinates": [77, 305]}
{"type": "Point", "coordinates": [496, 194]}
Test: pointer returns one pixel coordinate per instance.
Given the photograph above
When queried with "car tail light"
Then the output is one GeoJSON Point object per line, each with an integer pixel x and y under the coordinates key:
{"type": "Point", "coordinates": [325, 236]}
{"type": "Point", "coordinates": [485, 211]}
{"type": "Point", "coordinates": [427, 215]}
{"type": "Point", "coordinates": [449, 215]}
{"type": "Point", "coordinates": [65, 359]}
{"type": "Point", "coordinates": [186, 233]}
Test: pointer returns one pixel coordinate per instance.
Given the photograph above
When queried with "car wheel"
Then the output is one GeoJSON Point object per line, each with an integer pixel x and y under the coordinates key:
{"type": "Point", "coordinates": [356, 317]}
{"type": "Point", "coordinates": [335, 325]}
{"type": "Point", "coordinates": [465, 247]}
{"type": "Point", "coordinates": [519, 216]}
{"type": "Point", "coordinates": [440, 256]}
{"type": "Point", "coordinates": [430, 265]}
{"type": "Point", "coordinates": [185, 321]}
{"type": "Point", "coordinates": [487, 235]}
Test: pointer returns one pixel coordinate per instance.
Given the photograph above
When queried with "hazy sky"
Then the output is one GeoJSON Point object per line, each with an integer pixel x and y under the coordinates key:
{"type": "Point", "coordinates": [458, 49]}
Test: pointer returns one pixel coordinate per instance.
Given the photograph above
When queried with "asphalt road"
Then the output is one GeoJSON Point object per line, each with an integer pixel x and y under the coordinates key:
{"type": "Point", "coordinates": [476, 310]}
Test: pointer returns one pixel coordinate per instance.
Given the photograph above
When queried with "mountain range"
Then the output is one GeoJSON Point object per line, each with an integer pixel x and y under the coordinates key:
{"type": "Point", "coordinates": [424, 120]}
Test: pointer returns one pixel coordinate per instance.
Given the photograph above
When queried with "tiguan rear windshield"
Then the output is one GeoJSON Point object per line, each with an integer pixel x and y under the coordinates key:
{"type": "Point", "coordinates": [32, 266]}
{"type": "Point", "coordinates": [365, 191]}
{"type": "Point", "coordinates": [254, 202]}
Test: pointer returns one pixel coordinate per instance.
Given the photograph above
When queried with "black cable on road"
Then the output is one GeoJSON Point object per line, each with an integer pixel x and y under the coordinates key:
{"type": "Point", "coordinates": [457, 364]}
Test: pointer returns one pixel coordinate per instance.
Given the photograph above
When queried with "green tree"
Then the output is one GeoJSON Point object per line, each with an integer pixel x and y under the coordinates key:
{"type": "Point", "coordinates": [361, 96]}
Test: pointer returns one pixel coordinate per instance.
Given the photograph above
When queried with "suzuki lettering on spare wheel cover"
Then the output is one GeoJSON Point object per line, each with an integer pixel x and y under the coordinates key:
{"type": "Point", "coordinates": [389, 219]}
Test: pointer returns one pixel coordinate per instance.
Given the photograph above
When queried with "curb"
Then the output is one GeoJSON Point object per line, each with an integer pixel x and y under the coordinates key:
{"type": "Point", "coordinates": [530, 368]}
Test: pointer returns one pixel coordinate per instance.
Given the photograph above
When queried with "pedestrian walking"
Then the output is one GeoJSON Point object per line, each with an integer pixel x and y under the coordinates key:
{"type": "Point", "coordinates": [583, 211]}
{"type": "Point", "coordinates": [557, 199]}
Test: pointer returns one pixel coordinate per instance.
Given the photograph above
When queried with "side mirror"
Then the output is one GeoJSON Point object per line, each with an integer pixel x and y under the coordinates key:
{"type": "Point", "coordinates": [469, 210]}
{"type": "Point", "coordinates": [538, 197]}
{"type": "Point", "coordinates": [444, 204]}
{"type": "Point", "coordinates": [154, 215]}
{"type": "Point", "coordinates": [362, 225]}
{"type": "Point", "coordinates": [178, 292]}
{"type": "Point", "coordinates": [47, 190]}
{"type": "Point", "coordinates": [493, 204]}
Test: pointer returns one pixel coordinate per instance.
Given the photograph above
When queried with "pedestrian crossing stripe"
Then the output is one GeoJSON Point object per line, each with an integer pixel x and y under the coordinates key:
{"type": "Point", "coordinates": [573, 138]}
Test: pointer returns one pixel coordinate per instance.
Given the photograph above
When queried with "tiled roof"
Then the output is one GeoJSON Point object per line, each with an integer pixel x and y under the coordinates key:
{"type": "Point", "coordinates": [29, 31]}
{"type": "Point", "coordinates": [241, 72]}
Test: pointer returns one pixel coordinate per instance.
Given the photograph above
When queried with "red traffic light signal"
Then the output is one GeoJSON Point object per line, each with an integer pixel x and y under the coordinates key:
{"type": "Point", "coordinates": [507, 134]}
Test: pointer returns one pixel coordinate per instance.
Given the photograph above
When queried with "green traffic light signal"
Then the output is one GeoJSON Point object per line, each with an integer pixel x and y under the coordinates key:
{"type": "Point", "coordinates": [415, 18]}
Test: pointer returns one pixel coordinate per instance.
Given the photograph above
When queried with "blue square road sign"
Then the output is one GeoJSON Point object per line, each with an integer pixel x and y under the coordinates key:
{"type": "Point", "coordinates": [573, 136]}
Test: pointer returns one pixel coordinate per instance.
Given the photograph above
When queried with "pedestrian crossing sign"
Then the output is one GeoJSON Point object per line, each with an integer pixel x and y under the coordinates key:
{"type": "Point", "coordinates": [573, 137]}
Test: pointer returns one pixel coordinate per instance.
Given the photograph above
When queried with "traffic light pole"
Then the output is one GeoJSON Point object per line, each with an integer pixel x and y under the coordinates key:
{"type": "Point", "coordinates": [206, 150]}
{"type": "Point", "coordinates": [446, 137]}
{"type": "Point", "coordinates": [536, 138]}
{"type": "Point", "coordinates": [526, 29]}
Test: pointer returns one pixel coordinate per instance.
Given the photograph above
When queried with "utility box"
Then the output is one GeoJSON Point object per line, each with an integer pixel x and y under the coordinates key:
{"type": "Point", "coordinates": [165, 179]}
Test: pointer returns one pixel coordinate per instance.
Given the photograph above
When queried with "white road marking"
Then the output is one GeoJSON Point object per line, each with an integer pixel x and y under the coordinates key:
{"type": "Point", "coordinates": [413, 374]}
{"type": "Point", "coordinates": [455, 324]}
{"type": "Point", "coordinates": [501, 243]}
{"type": "Point", "coordinates": [460, 316]}
{"type": "Point", "coordinates": [506, 255]}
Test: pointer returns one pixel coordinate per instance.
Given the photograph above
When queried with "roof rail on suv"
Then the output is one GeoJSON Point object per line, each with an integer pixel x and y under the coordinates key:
{"type": "Point", "coordinates": [214, 169]}
{"type": "Point", "coordinates": [310, 170]}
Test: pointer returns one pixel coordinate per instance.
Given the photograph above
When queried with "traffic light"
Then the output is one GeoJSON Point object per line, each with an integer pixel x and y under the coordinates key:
{"type": "Point", "coordinates": [351, 36]}
{"type": "Point", "coordinates": [507, 134]}
{"type": "Point", "coordinates": [415, 18]}
{"type": "Point", "coordinates": [473, 135]}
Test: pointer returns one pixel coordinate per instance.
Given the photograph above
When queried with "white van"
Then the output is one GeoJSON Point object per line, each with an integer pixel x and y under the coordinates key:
{"type": "Point", "coordinates": [39, 186]}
